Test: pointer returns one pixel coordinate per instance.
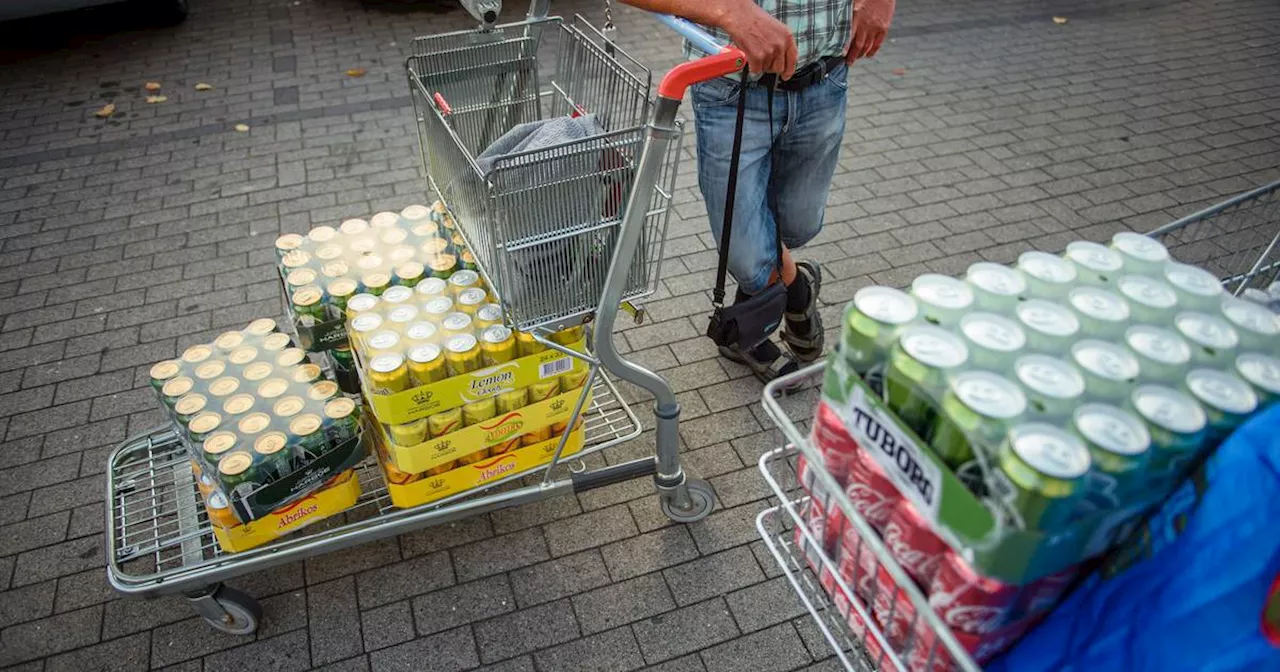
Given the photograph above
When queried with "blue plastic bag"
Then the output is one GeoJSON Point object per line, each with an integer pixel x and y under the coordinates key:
{"type": "Point", "coordinates": [1194, 594]}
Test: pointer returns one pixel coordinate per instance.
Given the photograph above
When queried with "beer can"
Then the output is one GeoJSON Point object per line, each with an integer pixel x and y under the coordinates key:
{"type": "Point", "coordinates": [307, 435]}
{"type": "Point", "coordinates": [488, 315]}
{"type": "Point", "coordinates": [912, 543]}
{"type": "Point", "coordinates": [196, 354]}
{"type": "Point", "coordinates": [401, 316]}
{"type": "Point", "coordinates": [536, 436]}
{"type": "Point", "coordinates": [574, 379]}
{"type": "Point", "coordinates": [219, 510]}
{"type": "Point", "coordinates": [1052, 387]}
{"type": "Point", "coordinates": [363, 326]}
{"type": "Point", "coordinates": [295, 259]}
{"type": "Point", "coordinates": [415, 214]}
{"type": "Point", "coordinates": [994, 342]}
{"type": "Point", "coordinates": [362, 246]}
{"type": "Point", "coordinates": [477, 412]}
{"type": "Point", "coordinates": [288, 407]}
{"type": "Point", "coordinates": [253, 423]}
{"type": "Point", "coordinates": [190, 405]}
{"type": "Point", "coordinates": [300, 277]}
{"type": "Point", "coordinates": [1177, 424]}
{"type": "Point", "coordinates": [403, 254]}
{"type": "Point", "coordinates": [210, 369]}
{"type": "Point", "coordinates": [327, 254]}
{"type": "Point", "coordinates": [916, 377]}
{"type": "Point", "coordinates": [467, 261]}
{"type": "Point", "coordinates": [371, 262]}
{"type": "Point", "coordinates": [1119, 447]}
{"type": "Point", "coordinates": [996, 288]}
{"type": "Point", "coordinates": [1150, 300]}
{"type": "Point", "coordinates": [1096, 265]}
{"type": "Point", "coordinates": [202, 425]}
{"type": "Point", "coordinates": [243, 355]}
{"type": "Point", "coordinates": [163, 372]}
{"type": "Point", "coordinates": [335, 269]}
{"type": "Point", "coordinates": [438, 211]}
{"type": "Point", "coordinates": [543, 390]}
{"type": "Point", "coordinates": [505, 446]}
{"type": "Point", "coordinates": [238, 404]}
{"type": "Point", "coordinates": [527, 345]}
{"type": "Point", "coordinates": [229, 340]}
{"type": "Point", "coordinates": [942, 299]}
{"type": "Point", "coordinates": [397, 294]}
{"type": "Point", "coordinates": [360, 303]}
{"type": "Point", "coordinates": [1255, 324]}
{"type": "Point", "coordinates": [323, 390]}
{"type": "Point", "coordinates": [976, 412]}
{"type": "Point", "coordinates": [388, 373]}
{"type": "Point", "coordinates": [1047, 276]}
{"type": "Point", "coordinates": [287, 243]}
{"type": "Point", "coordinates": [342, 419]}
{"type": "Point", "coordinates": [443, 265]}
{"type": "Point", "coordinates": [462, 353]}
{"type": "Point", "coordinates": [431, 287]}
{"type": "Point", "coordinates": [1162, 355]}
{"type": "Point", "coordinates": [272, 388]}
{"type": "Point", "coordinates": [408, 434]}
{"type": "Point", "coordinates": [444, 422]}
{"type": "Point", "coordinates": [426, 364]}
{"type": "Point", "coordinates": [261, 327]}
{"type": "Point", "coordinates": [256, 371]}
{"type": "Point", "coordinates": [341, 291]}
{"type": "Point", "coordinates": [237, 473]}
{"type": "Point", "coordinates": [384, 220]}
{"type": "Point", "coordinates": [435, 308]}
{"type": "Point", "coordinates": [385, 340]}
{"type": "Point", "coordinates": [409, 273]}
{"type": "Point", "coordinates": [214, 446]}
{"type": "Point", "coordinates": [454, 324]}
{"type": "Point", "coordinates": [1197, 289]}
{"type": "Point", "coordinates": [1049, 327]}
{"type": "Point", "coordinates": [969, 602]}
{"type": "Point", "coordinates": [375, 283]}
{"type": "Point", "coordinates": [1227, 400]}
{"type": "Point", "coordinates": [322, 234]}
{"type": "Point", "coordinates": [176, 388]}
{"type": "Point", "coordinates": [1102, 314]}
{"type": "Point", "coordinates": [1110, 371]}
{"type": "Point", "coordinates": [497, 345]}
{"type": "Point", "coordinates": [308, 310]}
{"type": "Point", "coordinates": [1140, 254]}
{"type": "Point", "coordinates": [871, 322]}
{"type": "Point", "coordinates": [472, 458]}
{"type": "Point", "coordinates": [273, 459]}
{"type": "Point", "coordinates": [511, 400]}
{"type": "Point", "coordinates": [1046, 467]}
{"type": "Point", "coordinates": [1263, 373]}
{"type": "Point", "coordinates": [569, 336]}
{"type": "Point", "coordinates": [224, 386]}
{"type": "Point", "coordinates": [1213, 341]}
{"type": "Point", "coordinates": [353, 227]}
{"type": "Point", "coordinates": [273, 344]}
{"type": "Point", "coordinates": [306, 373]}
{"type": "Point", "coordinates": [290, 357]}
{"type": "Point", "coordinates": [471, 299]}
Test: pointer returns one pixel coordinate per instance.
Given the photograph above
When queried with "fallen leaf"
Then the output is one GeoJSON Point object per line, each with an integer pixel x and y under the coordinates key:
{"type": "Point", "coordinates": [899, 71]}
{"type": "Point", "coordinates": [152, 86]}
{"type": "Point", "coordinates": [204, 87]}
{"type": "Point", "coordinates": [152, 100]}
{"type": "Point", "coordinates": [1059, 20]}
{"type": "Point", "coordinates": [242, 128]}
{"type": "Point", "coordinates": [356, 72]}
{"type": "Point", "coordinates": [106, 110]}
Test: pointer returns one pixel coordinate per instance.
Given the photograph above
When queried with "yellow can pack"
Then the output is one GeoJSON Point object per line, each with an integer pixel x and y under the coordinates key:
{"type": "Point", "coordinates": [336, 497]}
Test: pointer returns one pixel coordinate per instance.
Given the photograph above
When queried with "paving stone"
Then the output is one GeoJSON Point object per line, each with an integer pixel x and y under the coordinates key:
{"type": "Point", "coordinates": [27, 603]}
{"type": "Point", "coordinates": [649, 552]}
{"type": "Point", "coordinates": [459, 605]}
{"type": "Point", "coordinates": [726, 528]}
{"type": "Point", "coordinates": [342, 563]}
{"type": "Point", "coordinates": [525, 630]}
{"type": "Point", "coordinates": [590, 529]}
{"type": "Point", "coordinates": [356, 664]}
{"type": "Point", "coordinates": [765, 604]}
{"type": "Point", "coordinates": [521, 664]}
{"type": "Point", "coordinates": [623, 602]}
{"type": "Point", "coordinates": [500, 554]}
{"type": "Point", "coordinates": [129, 615]}
{"type": "Point", "coordinates": [33, 533]}
{"type": "Point", "coordinates": [81, 590]}
{"type": "Point", "coordinates": [776, 649]}
{"type": "Point", "coordinates": [713, 575]}
{"type": "Point", "coordinates": [47, 636]}
{"type": "Point", "coordinates": [447, 651]}
{"type": "Point", "coordinates": [612, 651]}
{"type": "Point", "coordinates": [387, 625]}
{"type": "Point", "coordinates": [334, 616]}
{"type": "Point", "coordinates": [57, 560]}
{"type": "Point", "coordinates": [282, 613]}
{"type": "Point", "coordinates": [415, 576]}
{"type": "Point", "coordinates": [559, 578]}
{"type": "Point", "coordinates": [536, 513]}
{"type": "Point", "coordinates": [685, 630]}
{"type": "Point", "coordinates": [118, 655]}
{"type": "Point", "coordinates": [740, 487]}
{"type": "Point", "coordinates": [286, 652]}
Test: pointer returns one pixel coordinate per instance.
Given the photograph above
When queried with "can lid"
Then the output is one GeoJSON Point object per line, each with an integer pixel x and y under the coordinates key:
{"type": "Point", "coordinates": [210, 369]}
{"type": "Point", "coordinates": [1047, 267]}
{"type": "Point", "coordinates": [1049, 376]}
{"type": "Point", "coordinates": [228, 340]}
{"type": "Point", "coordinates": [930, 345]}
{"type": "Point", "coordinates": [342, 287]}
{"type": "Point", "coordinates": [305, 424]}
{"type": "Point", "coordinates": [335, 269]}
{"type": "Point", "coordinates": [270, 443]}
{"type": "Point", "coordinates": [425, 353]}
{"type": "Point", "coordinates": [205, 422]}
{"type": "Point", "coordinates": [323, 389]}
{"type": "Point", "coordinates": [1147, 291]}
{"type": "Point", "coordinates": [362, 244]}
{"type": "Point", "coordinates": [420, 331]}
{"type": "Point", "coordinates": [295, 258]}
{"type": "Point", "coordinates": [289, 241]}
{"type": "Point", "coordinates": [397, 294]}
{"type": "Point", "coordinates": [1169, 409]}
{"type": "Point", "coordinates": [415, 212]}
{"type": "Point", "coordinates": [190, 403]}
{"type": "Point", "coordinates": [361, 303]}
{"type": "Point", "coordinates": [322, 234]}
{"type": "Point", "coordinates": [1206, 330]}
{"type": "Point", "coordinates": [300, 277]}
{"type": "Point", "coordinates": [387, 363]}
{"type": "Point", "coordinates": [352, 227]}
{"type": "Point", "coordinates": [328, 252]}
{"type": "Point", "coordinates": [489, 312]}
{"type": "Point", "coordinates": [219, 442]}
{"type": "Point", "coordinates": [464, 278]}
{"type": "Point", "coordinates": [166, 369]}
{"type": "Point", "coordinates": [431, 287]}
{"type": "Point", "coordinates": [1222, 391]}
{"type": "Point", "coordinates": [1140, 247]}
{"type": "Point", "coordinates": [942, 291]}
{"type": "Point", "coordinates": [254, 423]}
{"type": "Point", "coordinates": [256, 371]}
{"type": "Point", "coordinates": [1047, 317]}
{"type": "Point", "coordinates": [276, 341]}
{"type": "Point", "coordinates": [992, 332]}
{"type": "Point", "coordinates": [384, 340]}
{"type": "Point", "coordinates": [438, 305]}
{"type": "Point", "coordinates": [1162, 345]}
{"type": "Point", "coordinates": [456, 322]}
{"type": "Point", "coordinates": [375, 280]}
{"type": "Point", "coordinates": [243, 355]}
{"type": "Point", "coordinates": [996, 279]}
{"type": "Point", "coordinates": [496, 334]}
{"type": "Point", "coordinates": [289, 406]}
{"type": "Point", "coordinates": [339, 408]}
{"type": "Point", "coordinates": [405, 312]}
{"type": "Point", "coordinates": [472, 296]}
{"type": "Point", "coordinates": [176, 387]}
{"type": "Point", "coordinates": [1112, 429]}
{"type": "Point", "coordinates": [1104, 359]}
{"type": "Point", "coordinates": [291, 357]}
{"type": "Point", "coordinates": [1093, 256]}
{"type": "Point", "coordinates": [196, 354]}
{"type": "Point", "coordinates": [306, 373]}
{"type": "Point", "coordinates": [384, 220]}
{"type": "Point", "coordinates": [216, 500]}
{"type": "Point", "coordinates": [1261, 370]}
{"type": "Point", "coordinates": [885, 305]}
{"type": "Point", "coordinates": [393, 236]}
{"type": "Point", "coordinates": [366, 322]}
{"type": "Point", "coordinates": [1098, 304]}
{"type": "Point", "coordinates": [272, 388]}
{"type": "Point", "coordinates": [410, 270]}
{"type": "Point", "coordinates": [224, 386]}
{"type": "Point", "coordinates": [1192, 279]}
{"type": "Point", "coordinates": [1250, 316]}
{"type": "Point", "coordinates": [1050, 450]}
{"type": "Point", "coordinates": [443, 262]}
{"type": "Point", "coordinates": [989, 395]}
{"type": "Point", "coordinates": [238, 404]}
{"type": "Point", "coordinates": [462, 343]}
{"type": "Point", "coordinates": [370, 262]}
{"type": "Point", "coordinates": [234, 464]}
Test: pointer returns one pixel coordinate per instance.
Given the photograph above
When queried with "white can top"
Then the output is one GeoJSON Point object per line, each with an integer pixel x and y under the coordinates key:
{"type": "Point", "coordinates": [1047, 267]}
{"type": "Point", "coordinates": [406, 312]}
{"type": "Point", "coordinates": [1104, 359]}
{"type": "Point", "coordinates": [996, 279]}
{"type": "Point", "coordinates": [420, 331]}
{"type": "Point", "coordinates": [989, 395]}
{"type": "Point", "coordinates": [1147, 291]}
{"type": "Point", "coordinates": [387, 363]}
{"type": "Point", "coordinates": [415, 213]}
{"type": "Point", "coordinates": [1112, 429]}
{"type": "Point", "coordinates": [1162, 345]}
{"type": "Point", "coordinates": [384, 340]}
{"type": "Point", "coordinates": [1169, 409]}
{"type": "Point", "coordinates": [993, 332]}
{"type": "Point", "coordinates": [934, 347]}
{"type": "Point", "coordinates": [397, 294]}
{"type": "Point", "coordinates": [1222, 391]}
{"type": "Point", "coordinates": [1192, 280]}
{"type": "Point", "coordinates": [1137, 246]}
{"type": "Point", "coordinates": [942, 291]}
{"type": "Point", "coordinates": [439, 306]}
{"type": "Point", "coordinates": [431, 286]}
{"type": "Point", "coordinates": [885, 305]}
{"type": "Point", "coordinates": [1050, 451]}
{"type": "Point", "coordinates": [1047, 317]}
{"type": "Point", "coordinates": [1261, 370]}
{"type": "Point", "coordinates": [1250, 316]}
{"type": "Point", "coordinates": [1206, 330]}
{"type": "Point", "coordinates": [366, 322]}
{"type": "Point", "coordinates": [1098, 304]}
{"type": "Point", "coordinates": [1049, 376]}
{"type": "Point", "coordinates": [1094, 257]}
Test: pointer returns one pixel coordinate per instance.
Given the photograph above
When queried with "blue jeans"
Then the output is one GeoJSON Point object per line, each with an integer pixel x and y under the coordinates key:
{"type": "Point", "coordinates": [783, 180]}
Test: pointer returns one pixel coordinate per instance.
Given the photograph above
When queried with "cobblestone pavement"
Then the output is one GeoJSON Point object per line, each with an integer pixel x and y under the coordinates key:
{"type": "Point", "coordinates": [982, 130]}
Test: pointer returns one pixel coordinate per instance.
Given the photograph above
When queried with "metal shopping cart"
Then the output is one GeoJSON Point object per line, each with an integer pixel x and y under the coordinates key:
{"type": "Point", "coordinates": [564, 235]}
{"type": "Point", "coordinates": [1236, 239]}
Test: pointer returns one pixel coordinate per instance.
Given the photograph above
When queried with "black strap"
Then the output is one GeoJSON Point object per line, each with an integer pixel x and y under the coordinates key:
{"type": "Point", "coordinates": [726, 232]}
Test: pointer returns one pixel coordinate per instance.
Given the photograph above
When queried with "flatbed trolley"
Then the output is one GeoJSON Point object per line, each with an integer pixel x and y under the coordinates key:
{"type": "Point", "coordinates": [1237, 240]}
{"type": "Point", "coordinates": [554, 238]}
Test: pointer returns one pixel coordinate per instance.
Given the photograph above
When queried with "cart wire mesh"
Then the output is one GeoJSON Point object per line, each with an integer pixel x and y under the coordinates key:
{"type": "Point", "coordinates": [543, 223]}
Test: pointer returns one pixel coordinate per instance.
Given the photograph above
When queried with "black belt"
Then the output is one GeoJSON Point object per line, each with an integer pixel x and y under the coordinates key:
{"type": "Point", "coordinates": [805, 77]}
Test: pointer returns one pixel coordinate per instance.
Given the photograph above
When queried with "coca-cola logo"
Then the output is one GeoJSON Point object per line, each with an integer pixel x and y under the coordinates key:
{"type": "Point", "coordinates": [973, 619]}
{"type": "Point", "coordinates": [873, 505]}
{"type": "Point", "coordinates": [915, 561]}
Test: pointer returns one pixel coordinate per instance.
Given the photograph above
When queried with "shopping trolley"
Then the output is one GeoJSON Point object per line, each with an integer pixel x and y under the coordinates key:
{"type": "Point", "coordinates": [1236, 239]}
{"type": "Point", "coordinates": [564, 235]}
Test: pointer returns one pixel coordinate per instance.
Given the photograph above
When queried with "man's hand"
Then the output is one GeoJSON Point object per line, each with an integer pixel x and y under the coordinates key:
{"type": "Point", "coordinates": [871, 20]}
{"type": "Point", "coordinates": [768, 44]}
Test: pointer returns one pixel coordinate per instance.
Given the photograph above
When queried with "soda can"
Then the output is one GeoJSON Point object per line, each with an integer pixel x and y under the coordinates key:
{"type": "Point", "coordinates": [432, 287]}
{"type": "Point", "coordinates": [341, 291]}
{"type": "Point", "coordinates": [243, 355]}
{"type": "Point", "coordinates": [527, 345]}
{"type": "Point", "coordinates": [210, 369]}
{"type": "Point", "coordinates": [1227, 400]}
{"type": "Point", "coordinates": [388, 373]}
{"type": "Point", "coordinates": [175, 388]}
{"type": "Point", "coordinates": [444, 265]}
{"type": "Point", "coordinates": [967, 601]}
{"type": "Point", "coordinates": [322, 234]}
{"type": "Point", "coordinates": [573, 379]}
{"type": "Point", "coordinates": [488, 315]}
{"type": "Point", "coordinates": [272, 388]}
{"type": "Point", "coordinates": [1047, 276]}
{"type": "Point", "coordinates": [1049, 327]}
{"type": "Point", "coordinates": [919, 366]}
{"type": "Point", "coordinates": [1046, 468]}
{"type": "Point", "coordinates": [410, 273]}
{"type": "Point", "coordinates": [288, 407]}
{"type": "Point", "coordinates": [462, 353]}
{"type": "Point", "coordinates": [536, 436]}
{"type": "Point", "coordinates": [361, 303]}
{"type": "Point", "coordinates": [1140, 254]}
{"type": "Point", "coordinates": [463, 280]}
{"type": "Point", "coordinates": [261, 327]}
{"type": "Point", "coordinates": [511, 400]}
{"type": "Point", "coordinates": [1102, 314]}
{"type": "Point", "coordinates": [1263, 373]}
{"type": "Point", "coordinates": [478, 411]}
{"type": "Point", "coordinates": [300, 277]}
{"type": "Point", "coordinates": [375, 283]}
{"type": "Point", "coordinates": [363, 326]}
{"type": "Point", "coordinates": [163, 372]}
{"type": "Point", "coordinates": [1150, 300]}
{"type": "Point", "coordinates": [543, 390]}
{"type": "Point", "coordinates": [335, 269]}
{"type": "Point", "coordinates": [215, 446]}
{"type": "Point", "coordinates": [871, 323]}
{"type": "Point", "coordinates": [307, 307]}
{"type": "Point", "coordinates": [384, 340]}
{"type": "Point", "coordinates": [273, 459]}
{"type": "Point", "coordinates": [942, 299]}
{"type": "Point", "coordinates": [996, 288]}
{"type": "Point", "coordinates": [444, 422]}
{"type": "Point", "coordinates": [396, 295]}
{"type": "Point", "coordinates": [436, 308]}
{"type": "Point", "coordinates": [384, 220]}
{"type": "Point", "coordinates": [238, 404]}
{"type": "Point", "coordinates": [420, 333]}
{"type": "Point", "coordinates": [470, 300]}
{"type": "Point", "coordinates": [569, 336]}
{"type": "Point", "coordinates": [1096, 265]}
{"type": "Point", "coordinates": [196, 354]}
{"type": "Point", "coordinates": [370, 261]}
{"type": "Point", "coordinates": [1197, 289]}
{"type": "Point", "coordinates": [288, 243]}
{"type": "Point", "coordinates": [1213, 341]}
{"type": "Point", "coordinates": [353, 227]}
{"type": "Point", "coordinates": [1119, 447]}
{"type": "Point", "coordinates": [912, 543]}
{"type": "Point", "coordinates": [870, 490]}
{"type": "Point", "coordinates": [342, 419]}
{"type": "Point", "coordinates": [977, 411]}
{"type": "Point", "coordinates": [426, 364]}
{"type": "Point", "coordinates": [454, 324]}
{"type": "Point", "coordinates": [228, 340]}
{"type": "Point", "coordinates": [1110, 371]}
{"type": "Point", "coordinates": [257, 371]}
{"type": "Point", "coordinates": [219, 510]}
{"type": "Point", "coordinates": [1052, 387]}
{"type": "Point", "coordinates": [238, 474]}
{"type": "Point", "coordinates": [994, 342]}
{"type": "Point", "coordinates": [306, 433]}
{"type": "Point", "coordinates": [322, 391]}
{"type": "Point", "coordinates": [291, 357]}
{"type": "Point", "coordinates": [497, 345]}
{"type": "Point", "coordinates": [401, 316]}
{"type": "Point", "coordinates": [1162, 355]}
{"type": "Point", "coordinates": [893, 609]}
{"type": "Point", "coordinates": [408, 434]}
{"type": "Point", "coordinates": [190, 405]}
{"type": "Point", "coordinates": [202, 425]}
{"type": "Point", "coordinates": [404, 254]}
{"type": "Point", "coordinates": [224, 386]}
{"type": "Point", "coordinates": [306, 373]}
{"type": "Point", "coordinates": [276, 343]}
{"type": "Point", "coordinates": [327, 254]}
{"type": "Point", "coordinates": [253, 423]}
{"type": "Point", "coordinates": [467, 261]}
{"type": "Point", "coordinates": [415, 214]}
{"type": "Point", "coordinates": [1255, 324]}
{"type": "Point", "coordinates": [833, 442]}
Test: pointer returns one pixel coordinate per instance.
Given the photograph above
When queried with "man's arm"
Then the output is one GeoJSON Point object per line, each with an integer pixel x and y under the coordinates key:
{"type": "Point", "coordinates": [768, 44]}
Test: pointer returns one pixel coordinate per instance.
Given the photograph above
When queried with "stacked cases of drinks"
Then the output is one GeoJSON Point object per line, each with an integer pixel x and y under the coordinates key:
{"type": "Point", "coordinates": [1083, 381]}
{"type": "Point", "coordinates": [251, 409]}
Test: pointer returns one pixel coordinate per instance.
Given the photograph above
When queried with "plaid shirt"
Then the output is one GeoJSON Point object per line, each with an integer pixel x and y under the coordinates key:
{"type": "Point", "coordinates": [821, 27]}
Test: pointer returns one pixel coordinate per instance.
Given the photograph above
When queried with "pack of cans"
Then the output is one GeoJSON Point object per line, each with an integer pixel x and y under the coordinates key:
{"type": "Point", "coordinates": [252, 409]}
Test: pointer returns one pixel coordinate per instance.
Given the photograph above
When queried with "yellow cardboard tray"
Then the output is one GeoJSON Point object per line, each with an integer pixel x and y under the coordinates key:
{"type": "Point", "coordinates": [480, 473]}
{"type": "Point", "coordinates": [314, 507]}
{"type": "Point", "coordinates": [424, 400]}
{"type": "Point", "coordinates": [435, 452]}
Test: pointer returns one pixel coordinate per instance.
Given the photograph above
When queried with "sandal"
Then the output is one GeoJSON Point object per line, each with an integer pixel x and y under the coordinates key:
{"type": "Point", "coordinates": [781, 365]}
{"type": "Point", "coordinates": [808, 348]}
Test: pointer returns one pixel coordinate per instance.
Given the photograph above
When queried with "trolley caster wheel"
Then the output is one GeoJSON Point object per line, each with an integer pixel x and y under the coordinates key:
{"type": "Point", "coordinates": [701, 502]}
{"type": "Point", "coordinates": [229, 610]}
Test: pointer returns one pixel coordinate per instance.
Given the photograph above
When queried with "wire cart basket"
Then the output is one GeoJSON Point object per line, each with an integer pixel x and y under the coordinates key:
{"type": "Point", "coordinates": [1236, 239]}
{"type": "Point", "coordinates": [564, 234]}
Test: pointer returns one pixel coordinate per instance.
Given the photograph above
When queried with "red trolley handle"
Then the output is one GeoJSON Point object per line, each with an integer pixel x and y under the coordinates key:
{"type": "Point", "coordinates": [724, 59]}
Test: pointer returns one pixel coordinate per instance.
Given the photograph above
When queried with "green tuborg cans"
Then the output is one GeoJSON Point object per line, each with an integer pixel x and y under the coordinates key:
{"type": "Point", "coordinates": [1047, 468]}
{"type": "Point", "coordinates": [1096, 265]}
{"type": "Point", "coordinates": [1119, 445]}
{"type": "Point", "coordinates": [1197, 289]}
{"type": "Point", "coordinates": [995, 287]}
{"type": "Point", "coordinates": [919, 366]}
{"type": "Point", "coordinates": [1150, 300]}
{"type": "Point", "coordinates": [943, 300]}
{"type": "Point", "coordinates": [1256, 325]}
{"type": "Point", "coordinates": [1227, 400]}
{"type": "Point", "coordinates": [1048, 276]}
{"type": "Point", "coordinates": [1213, 342]}
{"type": "Point", "coordinates": [993, 341]}
{"type": "Point", "coordinates": [871, 323]}
{"type": "Point", "coordinates": [1140, 254]}
{"type": "Point", "coordinates": [1109, 370]}
{"type": "Point", "coordinates": [1052, 386]}
{"type": "Point", "coordinates": [1050, 327]}
{"type": "Point", "coordinates": [1177, 425]}
{"type": "Point", "coordinates": [1162, 355]}
{"type": "Point", "coordinates": [1102, 313]}
{"type": "Point", "coordinates": [977, 410]}
{"type": "Point", "coordinates": [1263, 373]}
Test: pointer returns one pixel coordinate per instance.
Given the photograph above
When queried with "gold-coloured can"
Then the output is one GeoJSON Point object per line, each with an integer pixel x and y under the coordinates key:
{"type": "Point", "coordinates": [443, 265]}
{"type": "Point", "coordinates": [202, 425]}
{"type": "Point", "coordinates": [388, 373]}
{"type": "Point", "coordinates": [408, 434]}
{"type": "Point", "coordinates": [270, 450]}
{"type": "Point", "coordinates": [527, 345]}
{"type": "Point", "coordinates": [261, 327]}
{"type": "Point", "coordinates": [210, 369]}
{"type": "Point", "coordinates": [352, 227]}
{"type": "Point", "coordinates": [401, 254]}
{"type": "Point", "coordinates": [573, 379]}
{"type": "Point", "coordinates": [383, 341]}
{"type": "Point", "coordinates": [498, 345]}
{"type": "Point", "coordinates": [189, 406]}
{"type": "Point", "coordinates": [243, 355]}
{"type": "Point", "coordinates": [364, 325]}
{"type": "Point", "coordinates": [295, 259]}
{"type": "Point", "coordinates": [462, 353]}
{"type": "Point", "coordinates": [362, 245]}
{"type": "Point", "coordinates": [477, 412]}
{"type": "Point", "coordinates": [454, 324]}
{"type": "Point", "coordinates": [410, 273]}
{"type": "Point", "coordinates": [402, 315]}
{"type": "Point", "coordinates": [306, 373]}
{"type": "Point", "coordinates": [427, 365]}
{"type": "Point", "coordinates": [420, 332]}
{"type": "Point", "coordinates": [228, 340]}
{"type": "Point", "coordinates": [416, 214]}
{"type": "Point", "coordinates": [287, 243]}
{"type": "Point", "coordinates": [328, 253]}
{"type": "Point", "coordinates": [272, 388]}
{"type": "Point", "coordinates": [288, 407]}
{"type": "Point", "coordinates": [291, 357]}
{"type": "Point", "coordinates": [384, 220]}
{"type": "Point", "coordinates": [433, 248]}
{"type": "Point", "coordinates": [463, 280]}
{"type": "Point", "coordinates": [340, 292]}
{"type": "Point", "coordinates": [543, 390]}
{"type": "Point", "coordinates": [397, 294]}
{"type": "Point", "coordinates": [176, 388]}
{"type": "Point", "coordinates": [506, 446]}
{"type": "Point", "coordinates": [163, 372]}
{"type": "Point", "coordinates": [322, 234]}
{"type": "Point", "coordinates": [569, 336]}
{"type": "Point", "coordinates": [276, 342]}
{"type": "Point", "coordinates": [254, 423]}
{"type": "Point", "coordinates": [512, 400]}
{"type": "Point", "coordinates": [375, 283]}
{"type": "Point", "coordinates": [300, 277]}
{"type": "Point", "coordinates": [196, 354]}
{"type": "Point", "coordinates": [323, 390]}
{"type": "Point", "coordinates": [470, 300]}
{"type": "Point", "coordinates": [369, 262]}
{"type": "Point", "coordinates": [238, 404]}
{"type": "Point", "coordinates": [436, 308]}
{"type": "Point", "coordinates": [335, 269]}
{"type": "Point", "coordinates": [215, 446]}
{"type": "Point", "coordinates": [444, 422]}
{"type": "Point", "coordinates": [224, 386]}
{"type": "Point", "coordinates": [256, 371]}
{"type": "Point", "coordinates": [488, 315]}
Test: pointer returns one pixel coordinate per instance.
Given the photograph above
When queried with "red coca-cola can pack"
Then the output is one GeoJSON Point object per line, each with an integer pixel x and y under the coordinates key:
{"type": "Point", "coordinates": [969, 602]}
{"type": "Point", "coordinates": [870, 490]}
{"type": "Point", "coordinates": [912, 543]}
{"type": "Point", "coordinates": [833, 441]}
